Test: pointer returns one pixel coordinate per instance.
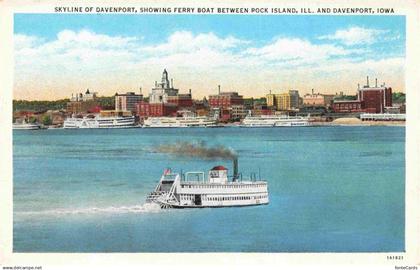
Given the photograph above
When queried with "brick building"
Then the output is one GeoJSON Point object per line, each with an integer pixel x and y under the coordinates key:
{"type": "Point", "coordinates": [146, 109]}
{"type": "Point", "coordinates": [369, 99]}
{"type": "Point", "coordinates": [317, 99]}
{"type": "Point", "coordinates": [225, 100]}
{"type": "Point", "coordinates": [376, 98]}
{"type": "Point", "coordinates": [347, 106]}
{"type": "Point", "coordinates": [127, 101]}
{"type": "Point", "coordinates": [181, 100]}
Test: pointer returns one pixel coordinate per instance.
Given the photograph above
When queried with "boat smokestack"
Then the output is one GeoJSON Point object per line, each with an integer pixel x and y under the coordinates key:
{"type": "Point", "coordinates": [219, 88]}
{"type": "Point", "coordinates": [235, 168]}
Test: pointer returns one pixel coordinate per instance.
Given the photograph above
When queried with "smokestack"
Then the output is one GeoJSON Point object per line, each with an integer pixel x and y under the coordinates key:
{"type": "Point", "coordinates": [172, 83]}
{"type": "Point", "coordinates": [219, 88]}
{"type": "Point", "coordinates": [190, 91]}
{"type": "Point", "coordinates": [376, 82]}
{"type": "Point", "coordinates": [140, 91]}
{"type": "Point", "coordinates": [312, 91]}
{"type": "Point", "coordinates": [367, 81]}
{"type": "Point", "coordinates": [155, 83]}
{"type": "Point", "coordinates": [235, 168]}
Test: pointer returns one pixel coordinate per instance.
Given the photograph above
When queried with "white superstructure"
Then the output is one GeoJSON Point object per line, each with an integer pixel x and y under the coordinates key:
{"type": "Point", "coordinates": [100, 122]}
{"type": "Point", "coordinates": [382, 116]}
{"type": "Point", "coordinates": [183, 121]}
{"type": "Point", "coordinates": [193, 190]}
{"type": "Point", "coordinates": [275, 121]}
{"type": "Point", "coordinates": [26, 126]}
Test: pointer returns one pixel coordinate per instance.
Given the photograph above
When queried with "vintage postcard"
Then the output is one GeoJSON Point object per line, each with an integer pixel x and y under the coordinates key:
{"type": "Point", "coordinates": [272, 133]}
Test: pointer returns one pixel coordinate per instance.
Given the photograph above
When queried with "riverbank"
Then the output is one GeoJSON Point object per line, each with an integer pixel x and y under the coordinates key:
{"type": "Point", "coordinates": [358, 122]}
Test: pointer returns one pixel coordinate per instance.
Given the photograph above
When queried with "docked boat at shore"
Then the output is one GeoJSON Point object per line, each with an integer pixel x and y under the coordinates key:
{"type": "Point", "coordinates": [97, 121]}
{"type": "Point", "coordinates": [26, 126]}
{"type": "Point", "coordinates": [179, 122]}
{"type": "Point", "coordinates": [193, 190]}
{"type": "Point", "coordinates": [275, 121]}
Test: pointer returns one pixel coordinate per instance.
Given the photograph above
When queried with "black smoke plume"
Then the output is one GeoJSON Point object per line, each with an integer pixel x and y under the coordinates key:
{"type": "Point", "coordinates": [198, 150]}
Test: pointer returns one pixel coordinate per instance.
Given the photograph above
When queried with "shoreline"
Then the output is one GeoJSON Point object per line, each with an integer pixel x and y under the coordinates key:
{"type": "Point", "coordinates": [363, 123]}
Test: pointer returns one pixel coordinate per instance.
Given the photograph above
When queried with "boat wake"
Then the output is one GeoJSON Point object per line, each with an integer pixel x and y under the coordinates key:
{"type": "Point", "coordinates": [143, 208]}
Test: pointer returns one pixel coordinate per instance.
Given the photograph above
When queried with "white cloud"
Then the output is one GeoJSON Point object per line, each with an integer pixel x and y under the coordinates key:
{"type": "Point", "coordinates": [356, 35]}
{"type": "Point", "coordinates": [185, 41]}
{"type": "Point", "coordinates": [296, 51]}
{"type": "Point", "coordinates": [73, 51]}
{"type": "Point", "coordinates": [81, 59]}
{"type": "Point", "coordinates": [24, 41]}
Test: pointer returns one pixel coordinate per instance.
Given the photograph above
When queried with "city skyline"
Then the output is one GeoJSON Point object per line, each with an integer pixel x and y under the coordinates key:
{"type": "Point", "coordinates": [120, 53]}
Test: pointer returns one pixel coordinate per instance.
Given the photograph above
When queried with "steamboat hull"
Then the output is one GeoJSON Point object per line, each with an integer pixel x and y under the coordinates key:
{"type": "Point", "coordinates": [165, 205]}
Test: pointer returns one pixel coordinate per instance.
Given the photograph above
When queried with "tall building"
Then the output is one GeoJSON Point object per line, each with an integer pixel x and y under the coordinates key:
{"type": "Point", "coordinates": [127, 101]}
{"type": "Point", "coordinates": [164, 100]}
{"type": "Point", "coordinates": [284, 101]}
{"type": "Point", "coordinates": [369, 99]}
{"type": "Point", "coordinates": [375, 98]}
{"type": "Point", "coordinates": [163, 90]}
{"type": "Point", "coordinates": [294, 99]}
{"type": "Point", "coordinates": [270, 100]}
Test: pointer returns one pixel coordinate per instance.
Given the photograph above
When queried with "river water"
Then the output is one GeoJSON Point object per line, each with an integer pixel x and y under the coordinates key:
{"type": "Point", "coordinates": [332, 189]}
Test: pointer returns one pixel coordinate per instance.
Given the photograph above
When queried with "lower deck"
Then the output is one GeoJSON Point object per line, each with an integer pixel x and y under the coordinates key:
{"type": "Point", "coordinates": [222, 200]}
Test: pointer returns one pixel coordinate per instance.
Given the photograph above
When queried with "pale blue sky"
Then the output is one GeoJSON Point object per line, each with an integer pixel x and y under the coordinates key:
{"type": "Point", "coordinates": [261, 29]}
{"type": "Point", "coordinates": [260, 45]}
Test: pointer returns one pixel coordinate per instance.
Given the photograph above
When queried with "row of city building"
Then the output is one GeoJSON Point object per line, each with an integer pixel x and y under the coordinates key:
{"type": "Point", "coordinates": [165, 100]}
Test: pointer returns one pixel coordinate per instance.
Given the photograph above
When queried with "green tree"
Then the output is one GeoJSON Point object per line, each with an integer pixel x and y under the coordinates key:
{"type": "Point", "coordinates": [398, 97]}
{"type": "Point", "coordinates": [46, 120]}
{"type": "Point", "coordinates": [32, 119]}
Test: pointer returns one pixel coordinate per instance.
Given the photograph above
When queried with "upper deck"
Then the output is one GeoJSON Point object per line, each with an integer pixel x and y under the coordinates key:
{"type": "Point", "coordinates": [217, 188]}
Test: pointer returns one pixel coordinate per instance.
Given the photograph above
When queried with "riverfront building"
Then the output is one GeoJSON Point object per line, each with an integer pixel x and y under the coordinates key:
{"type": "Point", "coordinates": [181, 100]}
{"type": "Point", "coordinates": [375, 99]}
{"type": "Point", "coordinates": [81, 103]}
{"type": "Point", "coordinates": [284, 101]}
{"type": "Point", "coordinates": [146, 109]}
{"type": "Point", "coordinates": [127, 101]}
{"type": "Point", "coordinates": [163, 90]}
{"type": "Point", "coordinates": [228, 105]}
{"type": "Point", "coordinates": [164, 100]}
{"type": "Point", "coordinates": [225, 100]}
{"type": "Point", "coordinates": [317, 99]}
{"type": "Point", "coordinates": [369, 99]}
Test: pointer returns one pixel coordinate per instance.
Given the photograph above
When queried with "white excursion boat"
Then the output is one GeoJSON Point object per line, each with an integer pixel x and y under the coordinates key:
{"type": "Point", "coordinates": [26, 126]}
{"type": "Point", "coordinates": [192, 190]}
{"type": "Point", "coordinates": [99, 122]}
{"type": "Point", "coordinates": [275, 121]}
{"type": "Point", "coordinates": [179, 122]}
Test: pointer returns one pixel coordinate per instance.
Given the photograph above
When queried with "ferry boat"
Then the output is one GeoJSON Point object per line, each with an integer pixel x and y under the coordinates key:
{"type": "Point", "coordinates": [275, 121]}
{"type": "Point", "coordinates": [26, 126]}
{"type": "Point", "coordinates": [99, 122]}
{"type": "Point", "coordinates": [193, 190]}
{"type": "Point", "coordinates": [179, 122]}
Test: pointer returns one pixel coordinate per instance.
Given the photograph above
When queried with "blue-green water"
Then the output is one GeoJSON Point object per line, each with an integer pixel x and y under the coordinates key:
{"type": "Point", "coordinates": [332, 189]}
